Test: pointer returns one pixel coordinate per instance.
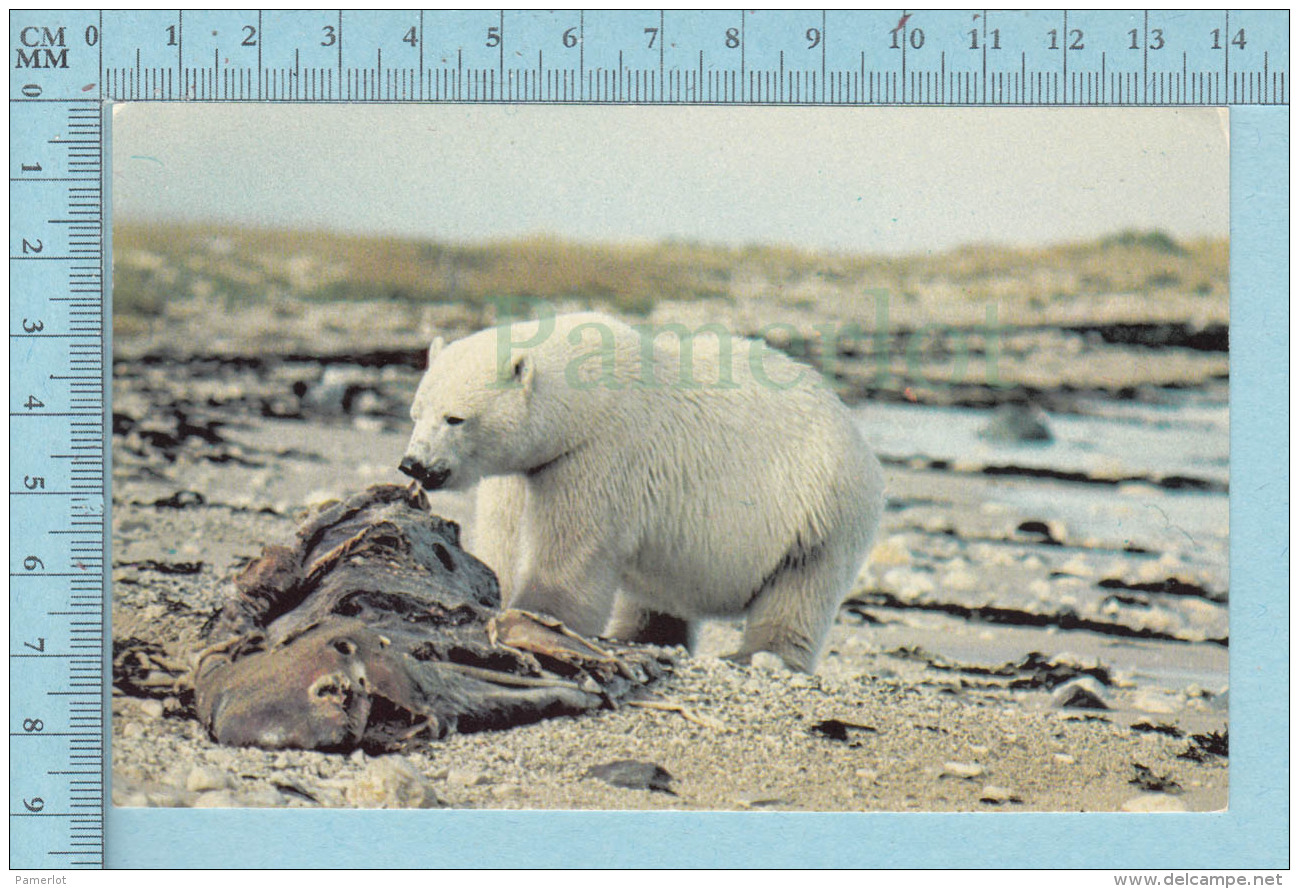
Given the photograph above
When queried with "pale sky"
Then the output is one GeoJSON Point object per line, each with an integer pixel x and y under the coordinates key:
{"type": "Point", "coordinates": [863, 180]}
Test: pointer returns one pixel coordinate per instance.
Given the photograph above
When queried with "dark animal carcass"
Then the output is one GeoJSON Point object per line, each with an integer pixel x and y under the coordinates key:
{"type": "Point", "coordinates": [376, 630]}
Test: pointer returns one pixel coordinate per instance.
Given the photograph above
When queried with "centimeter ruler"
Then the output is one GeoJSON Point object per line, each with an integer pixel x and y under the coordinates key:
{"type": "Point", "coordinates": [67, 65]}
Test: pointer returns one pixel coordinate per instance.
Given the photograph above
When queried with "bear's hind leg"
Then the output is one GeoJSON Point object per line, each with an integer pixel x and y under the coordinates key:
{"type": "Point", "coordinates": [631, 622]}
{"type": "Point", "coordinates": [792, 612]}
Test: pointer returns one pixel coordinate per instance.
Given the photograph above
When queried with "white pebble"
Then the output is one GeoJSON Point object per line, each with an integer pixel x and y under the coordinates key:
{"type": "Point", "coordinates": [203, 778]}
{"type": "Point", "coordinates": [766, 662]}
{"type": "Point", "coordinates": [1154, 802]}
{"type": "Point", "coordinates": [390, 782]}
{"type": "Point", "coordinates": [959, 581]}
{"type": "Point", "coordinates": [991, 793]}
{"type": "Point", "coordinates": [465, 777]}
{"type": "Point", "coordinates": [506, 791]}
{"type": "Point", "coordinates": [1150, 701]}
{"type": "Point", "coordinates": [891, 552]}
{"type": "Point", "coordinates": [963, 770]}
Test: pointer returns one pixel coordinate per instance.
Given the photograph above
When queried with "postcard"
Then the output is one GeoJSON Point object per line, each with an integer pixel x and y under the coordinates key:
{"type": "Point", "coordinates": [663, 484]}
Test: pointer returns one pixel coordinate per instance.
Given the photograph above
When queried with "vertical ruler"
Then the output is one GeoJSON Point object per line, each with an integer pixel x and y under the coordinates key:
{"type": "Point", "coordinates": [57, 397]}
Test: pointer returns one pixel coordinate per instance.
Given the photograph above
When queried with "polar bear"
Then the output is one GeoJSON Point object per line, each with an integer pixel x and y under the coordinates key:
{"type": "Point", "coordinates": [634, 479]}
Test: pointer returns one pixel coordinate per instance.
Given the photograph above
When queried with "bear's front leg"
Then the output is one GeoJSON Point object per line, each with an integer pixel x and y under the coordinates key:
{"type": "Point", "coordinates": [498, 515]}
{"type": "Point", "coordinates": [568, 554]}
{"type": "Point", "coordinates": [580, 599]}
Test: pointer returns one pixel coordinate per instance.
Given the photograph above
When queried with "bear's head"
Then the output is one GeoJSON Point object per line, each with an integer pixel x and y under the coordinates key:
{"type": "Point", "coordinates": [470, 414]}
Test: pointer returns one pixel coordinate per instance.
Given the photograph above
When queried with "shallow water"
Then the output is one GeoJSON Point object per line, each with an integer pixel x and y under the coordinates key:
{"type": "Point", "coordinates": [1189, 437]}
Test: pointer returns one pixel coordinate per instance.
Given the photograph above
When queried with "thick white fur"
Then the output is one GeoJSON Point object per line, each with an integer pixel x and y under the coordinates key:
{"type": "Point", "coordinates": [604, 468]}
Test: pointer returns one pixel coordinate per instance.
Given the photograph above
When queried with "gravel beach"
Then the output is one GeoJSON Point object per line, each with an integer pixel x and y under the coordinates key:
{"type": "Point", "coordinates": [1043, 624]}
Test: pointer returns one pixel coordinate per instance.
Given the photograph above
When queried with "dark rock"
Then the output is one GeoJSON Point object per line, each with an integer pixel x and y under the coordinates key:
{"type": "Point", "coordinates": [1203, 748]}
{"type": "Point", "coordinates": [1036, 670]}
{"type": "Point", "coordinates": [838, 730]}
{"type": "Point", "coordinates": [1144, 778]}
{"type": "Point", "coordinates": [1017, 424]}
{"type": "Point", "coordinates": [167, 567]}
{"type": "Point", "coordinates": [633, 774]}
{"type": "Point", "coordinates": [1172, 586]}
{"type": "Point", "coordinates": [1079, 694]}
{"type": "Point", "coordinates": [180, 500]}
{"type": "Point", "coordinates": [1043, 530]}
{"type": "Point", "coordinates": [1147, 727]}
{"type": "Point", "coordinates": [141, 669]}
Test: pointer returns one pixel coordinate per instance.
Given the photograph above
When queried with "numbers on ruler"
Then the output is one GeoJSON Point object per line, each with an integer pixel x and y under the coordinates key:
{"type": "Point", "coordinates": [33, 326]}
{"type": "Point", "coordinates": [29, 247]}
{"type": "Point", "coordinates": [33, 725]}
{"type": "Point", "coordinates": [1075, 38]}
{"type": "Point", "coordinates": [902, 37]}
{"type": "Point", "coordinates": [915, 38]}
{"type": "Point", "coordinates": [35, 804]}
{"type": "Point", "coordinates": [33, 563]}
{"type": "Point", "coordinates": [34, 482]}
{"type": "Point", "coordinates": [1238, 40]}
{"type": "Point", "coordinates": [32, 403]}
{"type": "Point", "coordinates": [39, 646]}
{"type": "Point", "coordinates": [1156, 39]}
{"type": "Point", "coordinates": [249, 39]}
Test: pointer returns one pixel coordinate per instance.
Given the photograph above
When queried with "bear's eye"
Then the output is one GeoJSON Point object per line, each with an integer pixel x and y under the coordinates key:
{"type": "Point", "coordinates": [453, 421]}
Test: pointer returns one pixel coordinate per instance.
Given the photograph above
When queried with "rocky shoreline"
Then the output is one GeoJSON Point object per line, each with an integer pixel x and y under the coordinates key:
{"type": "Point", "coordinates": [1043, 625]}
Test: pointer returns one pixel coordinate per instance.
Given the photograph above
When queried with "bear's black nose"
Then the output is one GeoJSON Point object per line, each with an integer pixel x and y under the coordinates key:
{"type": "Point", "coordinates": [429, 479]}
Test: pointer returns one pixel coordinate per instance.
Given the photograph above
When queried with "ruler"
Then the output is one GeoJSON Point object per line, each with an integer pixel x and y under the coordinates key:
{"type": "Point", "coordinates": [57, 440]}
{"type": "Point", "coordinates": [989, 57]}
{"type": "Point", "coordinates": [66, 66]}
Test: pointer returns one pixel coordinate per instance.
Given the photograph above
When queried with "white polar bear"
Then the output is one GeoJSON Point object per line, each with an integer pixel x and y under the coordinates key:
{"type": "Point", "coordinates": [702, 476]}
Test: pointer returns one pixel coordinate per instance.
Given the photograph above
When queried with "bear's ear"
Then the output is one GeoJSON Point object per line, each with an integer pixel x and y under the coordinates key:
{"type": "Point", "coordinates": [434, 349]}
{"type": "Point", "coordinates": [523, 371]}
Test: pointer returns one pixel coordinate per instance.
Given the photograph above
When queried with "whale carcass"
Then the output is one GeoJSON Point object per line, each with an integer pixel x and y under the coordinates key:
{"type": "Point", "coordinates": [374, 629]}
